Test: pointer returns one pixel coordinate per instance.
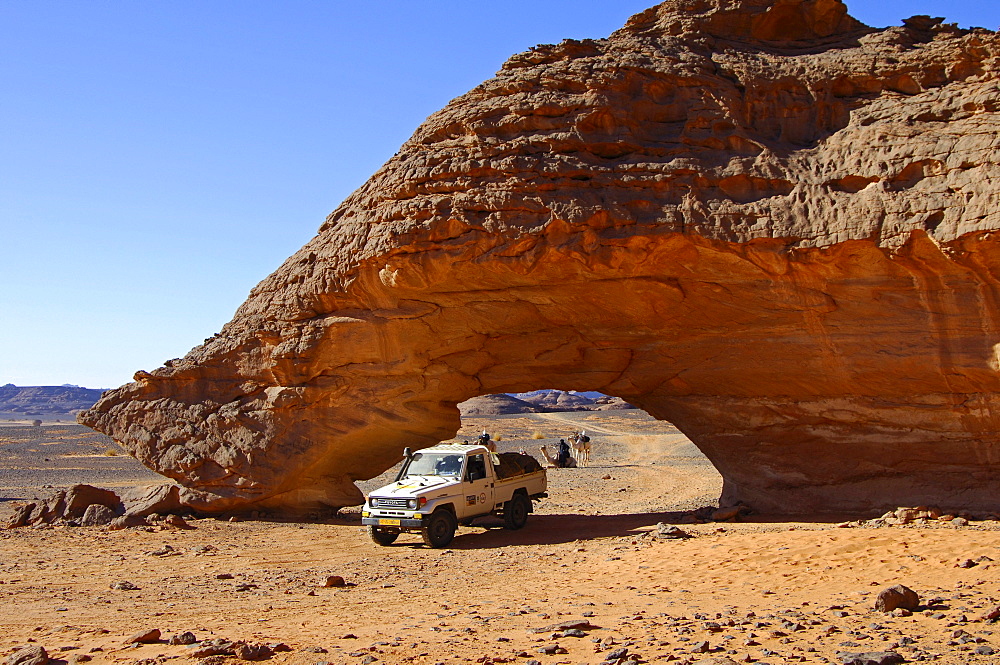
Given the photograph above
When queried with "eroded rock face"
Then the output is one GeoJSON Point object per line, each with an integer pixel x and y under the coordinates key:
{"type": "Point", "coordinates": [758, 219]}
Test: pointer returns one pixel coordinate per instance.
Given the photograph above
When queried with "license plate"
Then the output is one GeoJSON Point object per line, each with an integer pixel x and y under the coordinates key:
{"type": "Point", "coordinates": [388, 522]}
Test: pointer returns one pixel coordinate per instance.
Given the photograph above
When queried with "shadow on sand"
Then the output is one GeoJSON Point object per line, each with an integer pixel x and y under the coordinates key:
{"type": "Point", "coordinates": [488, 533]}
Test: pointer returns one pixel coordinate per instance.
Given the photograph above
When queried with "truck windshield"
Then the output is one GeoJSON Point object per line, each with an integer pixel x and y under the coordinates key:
{"type": "Point", "coordinates": [435, 464]}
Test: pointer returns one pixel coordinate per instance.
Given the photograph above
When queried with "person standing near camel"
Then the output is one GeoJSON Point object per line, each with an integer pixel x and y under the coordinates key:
{"type": "Point", "coordinates": [562, 454]}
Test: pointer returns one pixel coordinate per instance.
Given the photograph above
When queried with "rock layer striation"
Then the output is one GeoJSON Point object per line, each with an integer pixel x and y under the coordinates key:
{"type": "Point", "coordinates": [758, 219]}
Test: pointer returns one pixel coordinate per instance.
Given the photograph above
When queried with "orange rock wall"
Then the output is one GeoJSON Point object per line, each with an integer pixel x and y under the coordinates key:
{"type": "Point", "coordinates": [762, 221]}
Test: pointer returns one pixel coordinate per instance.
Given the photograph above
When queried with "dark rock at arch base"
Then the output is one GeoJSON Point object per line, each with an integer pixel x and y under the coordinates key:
{"type": "Point", "coordinates": [760, 220]}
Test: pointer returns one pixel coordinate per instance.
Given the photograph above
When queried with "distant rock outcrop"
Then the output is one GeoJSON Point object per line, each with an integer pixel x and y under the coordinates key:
{"type": "Point", "coordinates": [46, 400]}
{"type": "Point", "coordinates": [760, 220]}
{"type": "Point", "coordinates": [495, 405]}
{"type": "Point", "coordinates": [539, 401]}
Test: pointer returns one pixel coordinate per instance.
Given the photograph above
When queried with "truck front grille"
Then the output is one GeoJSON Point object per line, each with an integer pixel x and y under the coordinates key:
{"type": "Point", "coordinates": [392, 503]}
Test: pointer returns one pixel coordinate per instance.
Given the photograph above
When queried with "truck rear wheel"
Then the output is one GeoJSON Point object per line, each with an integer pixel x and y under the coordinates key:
{"type": "Point", "coordinates": [381, 536]}
{"type": "Point", "coordinates": [515, 512]}
{"type": "Point", "coordinates": [440, 529]}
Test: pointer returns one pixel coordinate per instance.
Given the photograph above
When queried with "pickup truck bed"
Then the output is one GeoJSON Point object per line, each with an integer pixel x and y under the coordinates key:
{"type": "Point", "coordinates": [515, 464]}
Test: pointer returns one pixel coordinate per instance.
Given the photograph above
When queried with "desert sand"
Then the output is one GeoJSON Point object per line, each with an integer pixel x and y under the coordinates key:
{"type": "Point", "coordinates": [753, 590]}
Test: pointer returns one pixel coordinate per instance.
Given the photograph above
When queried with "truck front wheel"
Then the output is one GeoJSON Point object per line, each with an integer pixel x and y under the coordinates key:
{"type": "Point", "coordinates": [381, 536]}
{"type": "Point", "coordinates": [440, 529]}
{"type": "Point", "coordinates": [515, 511]}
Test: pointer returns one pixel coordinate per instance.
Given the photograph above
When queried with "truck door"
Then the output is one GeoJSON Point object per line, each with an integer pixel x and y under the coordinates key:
{"type": "Point", "coordinates": [477, 487]}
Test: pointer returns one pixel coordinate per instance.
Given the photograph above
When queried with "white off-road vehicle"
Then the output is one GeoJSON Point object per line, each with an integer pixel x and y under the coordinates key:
{"type": "Point", "coordinates": [441, 487]}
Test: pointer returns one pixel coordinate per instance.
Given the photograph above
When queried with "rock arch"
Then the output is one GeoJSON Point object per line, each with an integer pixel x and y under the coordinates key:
{"type": "Point", "coordinates": [753, 235]}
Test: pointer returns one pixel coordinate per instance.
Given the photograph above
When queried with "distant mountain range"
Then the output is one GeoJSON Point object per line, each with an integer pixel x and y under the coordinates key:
{"type": "Point", "coordinates": [68, 400]}
{"type": "Point", "coordinates": [64, 400]}
{"type": "Point", "coordinates": [540, 401]}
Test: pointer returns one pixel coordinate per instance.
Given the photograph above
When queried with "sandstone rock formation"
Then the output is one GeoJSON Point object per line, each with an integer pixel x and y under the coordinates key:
{"type": "Point", "coordinates": [758, 219]}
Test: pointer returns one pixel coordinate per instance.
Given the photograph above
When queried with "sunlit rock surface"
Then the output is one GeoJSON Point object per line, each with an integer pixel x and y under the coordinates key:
{"type": "Point", "coordinates": [758, 219]}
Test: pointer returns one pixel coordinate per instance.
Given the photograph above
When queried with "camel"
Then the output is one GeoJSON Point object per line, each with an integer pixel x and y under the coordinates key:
{"type": "Point", "coordinates": [580, 443]}
{"type": "Point", "coordinates": [551, 461]}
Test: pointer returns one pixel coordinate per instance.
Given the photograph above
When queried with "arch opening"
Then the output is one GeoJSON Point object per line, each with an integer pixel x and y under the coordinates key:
{"type": "Point", "coordinates": [637, 463]}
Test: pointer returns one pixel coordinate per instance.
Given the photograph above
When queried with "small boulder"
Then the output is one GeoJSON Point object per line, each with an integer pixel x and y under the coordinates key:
{"type": "Point", "coordinates": [616, 654]}
{"type": "Point", "coordinates": [335, 581]}
{"type": "Point", "coordinates": [81, 497]}
{"type": "Point", "coordinates": [730, 513]}
{"type": "Point", "coordinates": [897, 596]}
{"type": "Point", "coordinates": [564, 626]}
{"type": "Point", "coordinates": [870, 658]}
{"type": "Point", "coordinates": [97, 515]}
{"type": "Point", "coordinates": [252, 651]}
{"type": "Point", "coordinates": [177, 522]}
{"type": "Point", "coordinates": [159, 499]}
{"type": "Point", "coordinates": [22, 516]}
{"type": "Point", "coordinates": [145, 637]}
{"type": "Point", "coordinates": [126, 521]}
{"type": "Point", "coordinates": [671, 532]}
{"type": "Point", "coordinates": [32, 654]}
{"type": "Point", "coordinates": [185, 638]}
{"type": "Point", "coordinates": [216, 647]}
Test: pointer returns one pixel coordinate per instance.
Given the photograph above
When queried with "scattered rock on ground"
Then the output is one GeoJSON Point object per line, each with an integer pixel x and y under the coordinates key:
{"type": "Point", "coordinates": [81, 497]}
{"type": "Point", "coordinates": [97, 515]}
{"type": "Point", "coordinates": [145, 637]}
{"type": "Point", "coordinates": [897, 596]}
{"type": "Point", "coordinates": [252, 651]}
{"type": "Point", "coordinates": [72, 504]}
{"type": "Point", "coordinates": [216, 647]}
{"type": "Point", "coordinates": [127, 521]}
{"type": "Point", "coordinates": [670, 531]}
{"type": "Point", "coordinates": [564, 625]}
{"type": "Point", "coordinates": [185, 638]}
{"type": "Point", "coordinates": [159, 499]}
{"type": "Point", "coordinates": [870, 658]}
{"type": "Point", "coordinates": [730, 513]}
{"type": "Point", "coordinates": [32, 654]}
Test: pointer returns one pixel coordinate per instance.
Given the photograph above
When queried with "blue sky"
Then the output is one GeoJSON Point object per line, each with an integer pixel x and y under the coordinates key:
{"type": "Point", "coordinates": [158, 159]}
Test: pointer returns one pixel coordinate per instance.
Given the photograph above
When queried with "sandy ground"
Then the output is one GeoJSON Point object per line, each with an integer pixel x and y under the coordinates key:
{"type": "Point", "coordinates": [753, 591]}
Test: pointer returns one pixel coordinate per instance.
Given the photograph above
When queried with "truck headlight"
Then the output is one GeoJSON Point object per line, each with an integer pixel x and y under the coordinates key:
{"type": "Point", "coordinates": [374, 502]}
{"type": "Point", "coordinates": [411, 504]}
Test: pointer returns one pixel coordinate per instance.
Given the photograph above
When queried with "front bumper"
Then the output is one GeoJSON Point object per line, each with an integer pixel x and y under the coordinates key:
{"type": "Point", "coordinates": [390, 522]}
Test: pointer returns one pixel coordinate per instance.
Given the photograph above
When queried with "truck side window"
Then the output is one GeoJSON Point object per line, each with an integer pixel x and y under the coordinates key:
{"type": "Point", "coordinates": [477, 468]}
